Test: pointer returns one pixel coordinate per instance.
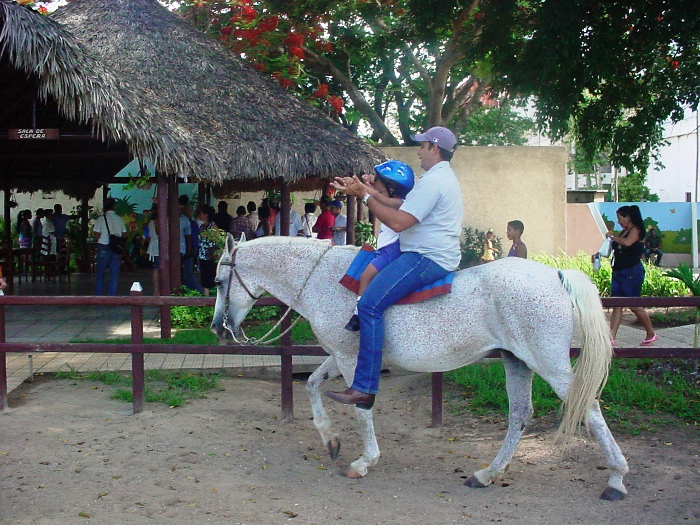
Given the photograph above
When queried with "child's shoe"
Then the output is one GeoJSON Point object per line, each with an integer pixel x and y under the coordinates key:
{"type": "Point", "coordinates": [353, 324]}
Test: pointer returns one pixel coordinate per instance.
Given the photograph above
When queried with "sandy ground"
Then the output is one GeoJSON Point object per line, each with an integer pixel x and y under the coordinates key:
{"type": "Point", "coordinates": [69, 454]}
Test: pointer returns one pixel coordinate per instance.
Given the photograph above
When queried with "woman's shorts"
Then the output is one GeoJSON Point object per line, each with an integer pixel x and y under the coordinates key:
{"type": "Point", "coordinates": [385, 255]}
{"type": "Point", "coordinates": [627, 283]}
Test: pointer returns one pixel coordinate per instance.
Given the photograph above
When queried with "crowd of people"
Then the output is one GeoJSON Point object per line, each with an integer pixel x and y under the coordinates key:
{"type": "Point", "coordinates": [44, 230]}
{"type": "Point", "coordinates": [200, 236]}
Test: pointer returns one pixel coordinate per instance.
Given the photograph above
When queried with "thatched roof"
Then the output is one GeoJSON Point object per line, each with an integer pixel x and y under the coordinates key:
{"type": "Point", "coordinates": [124, 78]}
{"type": "Point", "coordinates": [207, 114]}
{"type": "Point", "coordinates": [39, 59]}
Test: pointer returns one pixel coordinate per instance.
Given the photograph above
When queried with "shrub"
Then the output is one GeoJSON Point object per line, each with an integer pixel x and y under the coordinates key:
{"type": "Point", "coordinates": [656, 283]}
{"type": "Point", "coordinates": [472, 246]}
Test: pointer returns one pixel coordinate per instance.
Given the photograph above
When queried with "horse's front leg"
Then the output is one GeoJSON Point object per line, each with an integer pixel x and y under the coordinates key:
{"type": "Point", "coordinates": [328, 370]}
{"type": "Point", "coordinates": [370, 454]}
{"type": "Point", "coordinates": [519, 388]}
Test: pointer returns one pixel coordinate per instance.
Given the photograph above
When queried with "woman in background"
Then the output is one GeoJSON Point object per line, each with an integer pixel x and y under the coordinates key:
{"type": "Point", "coordinates": [628, 270]}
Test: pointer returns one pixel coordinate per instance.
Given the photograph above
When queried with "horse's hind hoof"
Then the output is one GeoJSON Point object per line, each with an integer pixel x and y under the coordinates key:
{"type": "Point", "coordinates": [474, 483]}
{"type": "Point", "coordinates": [612, 494]}
{"type": "Point", "coordinates": [352, 474]}
{"type": "Point", "coordinates": [334, 448]}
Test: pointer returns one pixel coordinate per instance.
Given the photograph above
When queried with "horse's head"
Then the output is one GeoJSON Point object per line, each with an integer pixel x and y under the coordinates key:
{"type": "Point", "coordinates": [234, 295]}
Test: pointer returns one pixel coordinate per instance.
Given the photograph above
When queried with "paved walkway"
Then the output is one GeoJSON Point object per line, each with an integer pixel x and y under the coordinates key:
{"type": "Point", "coordinates": [82, 324]}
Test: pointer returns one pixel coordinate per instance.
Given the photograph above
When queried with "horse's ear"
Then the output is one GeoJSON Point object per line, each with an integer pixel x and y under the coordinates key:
{"type": "Point", "coordinates": [230, 244]}
{"type": "Point", "coordinates": [242, 239]}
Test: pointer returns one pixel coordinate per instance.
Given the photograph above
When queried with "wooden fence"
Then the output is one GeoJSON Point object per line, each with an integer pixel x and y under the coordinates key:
{"type": "Point", "coordinates": [285, 350]}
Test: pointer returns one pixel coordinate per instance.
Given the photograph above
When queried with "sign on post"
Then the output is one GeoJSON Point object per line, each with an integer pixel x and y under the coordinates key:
{"type": "Point", "coordinates": [33, 134]}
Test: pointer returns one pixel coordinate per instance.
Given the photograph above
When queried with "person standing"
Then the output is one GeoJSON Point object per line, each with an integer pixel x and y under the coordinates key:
{"type": "Point", "coordinates": [308, 220]}
{"type": "Point", "coordinates": [252, 209]}
{"type": "Point", "coordinates": [24, 228]}
{"type": "Point", "coordinates": [153, 249]}
{"type": "Point", "coordinates": [325, 221]}
{"type": "Point", "coordinates": [207, 248]}
{"type": "Point", "coordinates": [187, 254]}
{"type": "Point", "coordinates": [241, 225]}
{"type": "Point", "coordinates": [340, 223]}
{"type": "Point", "coordinates": [429, 223]}
{"type": "Point", "coordinates": [514, 231]}
{"type": "Point", "coordinates": [109, 223]}
{"type": "Point", "coordinates": [295, 226]}
{"type": "Point", "coordinates": [490, 251]}
{"type": "Point", "coordinates": [222, 217]}
{"type": "Point", "coordinates": [628, 271]}
{"type": "Point", "coordinates": [60, 221]}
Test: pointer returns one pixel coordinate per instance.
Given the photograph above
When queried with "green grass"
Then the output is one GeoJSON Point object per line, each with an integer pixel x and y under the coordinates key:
{"type": "Point", "coordinates": [173, 388]}
{"type": "Point", "coordinates": [632, 398]}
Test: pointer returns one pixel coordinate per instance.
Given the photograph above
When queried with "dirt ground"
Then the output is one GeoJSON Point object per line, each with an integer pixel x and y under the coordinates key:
{"type": "Point", "coordinates": [70, 455]}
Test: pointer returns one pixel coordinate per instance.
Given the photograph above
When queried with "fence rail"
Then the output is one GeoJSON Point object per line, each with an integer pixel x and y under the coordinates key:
{"type": "Point", "coordinates": [285, 350]}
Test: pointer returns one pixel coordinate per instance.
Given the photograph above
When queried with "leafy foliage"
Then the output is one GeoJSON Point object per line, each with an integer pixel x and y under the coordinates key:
{"type": "Point", "coordinates": [472, 246]}
{"type": "Point", "coordinates": [656, 283]}
{"type": "Point", "coordinates": [608, 73]}
{"type": "Point", "coordinates": [631, 188]}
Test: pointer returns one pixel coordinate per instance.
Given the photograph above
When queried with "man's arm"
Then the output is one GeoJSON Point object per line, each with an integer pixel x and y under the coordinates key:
{"type": "Point", "coordinates": [380, 205]}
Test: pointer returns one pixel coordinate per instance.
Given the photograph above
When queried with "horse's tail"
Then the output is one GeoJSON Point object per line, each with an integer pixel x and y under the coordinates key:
{"type": "Point", "coordinates": [592, 366]}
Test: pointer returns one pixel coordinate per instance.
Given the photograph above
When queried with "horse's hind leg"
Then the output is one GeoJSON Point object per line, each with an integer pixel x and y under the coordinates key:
{"type": "Point", "coordinates": [328, 370]}
{"type": "Point", "coordinates": [613, 455]}
{"type": "Point", "coordinates": [519, 388]}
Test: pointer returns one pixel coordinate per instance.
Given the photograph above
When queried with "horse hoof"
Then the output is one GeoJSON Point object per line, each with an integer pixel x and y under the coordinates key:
{"type": "Point", "coordinates": [352, 474]}
{"type": "Point", "coordinates": [474, 483]}
{"type": "Point", "coordinates": [612, 494]}
{"type": "Point", "coordinates": [334, 448]}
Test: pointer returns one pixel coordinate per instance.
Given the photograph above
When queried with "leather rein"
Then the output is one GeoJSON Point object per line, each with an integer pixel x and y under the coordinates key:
{"type": "Point", "coordinates": [261, 340]}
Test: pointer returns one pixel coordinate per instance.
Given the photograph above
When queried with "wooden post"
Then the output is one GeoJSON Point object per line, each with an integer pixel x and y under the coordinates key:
{"type": "Point", "coordinates": [3, 360]}
{"type": "Point", "coordinates": [8, 217]}
{"type": "Point", "coordinates": [287, 368]}
{"type": "Point", "coordinates": [437, 399]}
{"type": "Point", "coordinates": [163, 254]}
{"type": "Point", "coordinates": [174, 235]}
{"type": "Point", "coordinates": [137, 365]}
{"type": "Point", "coordinates": [285, 208]}
{"type": "Point", "coordinates": [352, 218]}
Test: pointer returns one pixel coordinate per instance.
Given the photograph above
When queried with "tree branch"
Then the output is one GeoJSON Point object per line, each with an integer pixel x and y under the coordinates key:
{"type": "Point", "coordinates": [327, 67]}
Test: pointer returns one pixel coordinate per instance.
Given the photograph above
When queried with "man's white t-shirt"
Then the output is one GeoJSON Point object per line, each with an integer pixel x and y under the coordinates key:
{"type": "Point", "coordinates": [116, 226]}
{"type": "Point", "coordinates": [436, 202]}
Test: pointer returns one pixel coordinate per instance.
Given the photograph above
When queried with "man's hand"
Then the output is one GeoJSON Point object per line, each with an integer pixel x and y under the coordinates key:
{"type": "Point", "coordinates": [2, 283]}
{"type": "Point", "coordinates": [351, 186]}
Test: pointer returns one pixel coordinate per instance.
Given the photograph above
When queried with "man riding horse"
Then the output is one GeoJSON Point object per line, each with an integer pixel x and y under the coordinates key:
{"type": "Point", "coordinates": [429, 223]}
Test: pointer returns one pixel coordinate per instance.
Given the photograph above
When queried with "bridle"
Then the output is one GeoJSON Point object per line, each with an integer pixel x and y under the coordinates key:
{"type": "Point", "coordinates": [227, 301]}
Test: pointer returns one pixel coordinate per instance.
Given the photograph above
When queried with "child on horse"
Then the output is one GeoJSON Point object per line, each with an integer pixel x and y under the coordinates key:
{"type": "Point", "coordinates": [393, 179]}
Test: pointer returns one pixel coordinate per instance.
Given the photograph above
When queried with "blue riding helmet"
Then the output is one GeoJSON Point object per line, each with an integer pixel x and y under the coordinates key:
{"type": "Point", "coordinates": [399, 173]}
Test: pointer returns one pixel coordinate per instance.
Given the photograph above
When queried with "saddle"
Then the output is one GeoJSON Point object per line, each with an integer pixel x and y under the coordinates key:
{"type": "Point", "coordinates": [351, 279]}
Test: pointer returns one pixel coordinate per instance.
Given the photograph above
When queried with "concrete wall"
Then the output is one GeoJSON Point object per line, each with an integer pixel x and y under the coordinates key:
{"type": "Point", "coordinates": [584, 234]}
{"type": "Point", "coordinates": [500, 184]}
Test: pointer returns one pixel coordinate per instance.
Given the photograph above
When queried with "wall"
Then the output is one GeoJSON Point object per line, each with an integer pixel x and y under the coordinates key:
{"type": "Point", "coordinates": [500, 184]}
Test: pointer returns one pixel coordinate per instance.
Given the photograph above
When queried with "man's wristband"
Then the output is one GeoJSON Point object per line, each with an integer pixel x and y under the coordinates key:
{"type": "Point", "coordinates": [365, 199]}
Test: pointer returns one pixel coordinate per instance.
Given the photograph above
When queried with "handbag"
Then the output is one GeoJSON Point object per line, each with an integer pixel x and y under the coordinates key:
{"type": "Point", "coordinates": [117, 243]}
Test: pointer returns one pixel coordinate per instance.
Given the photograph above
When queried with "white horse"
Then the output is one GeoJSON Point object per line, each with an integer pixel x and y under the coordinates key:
{"type": "Point", "coordinates": [522, 308]}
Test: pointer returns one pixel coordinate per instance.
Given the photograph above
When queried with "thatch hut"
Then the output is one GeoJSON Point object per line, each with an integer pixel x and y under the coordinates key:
{"type": "Point", "coordinates": [144, 83]}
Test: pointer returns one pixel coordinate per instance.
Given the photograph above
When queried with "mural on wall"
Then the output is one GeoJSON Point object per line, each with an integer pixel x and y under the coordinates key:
{"type": "Point", "coordinates": [671, 219]}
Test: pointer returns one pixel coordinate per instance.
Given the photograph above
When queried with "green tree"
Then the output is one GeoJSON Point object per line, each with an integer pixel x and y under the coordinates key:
{"type": "Point", "coordinates": [631, 188]}
{"type": "Point", "coordinates": [607, 72]}
{"type": "Point", "coordinates": [399, 65]}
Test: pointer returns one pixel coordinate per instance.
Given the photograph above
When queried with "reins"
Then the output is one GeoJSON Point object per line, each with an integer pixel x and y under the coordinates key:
{"type": "Point", "coordinates": [261, 340]}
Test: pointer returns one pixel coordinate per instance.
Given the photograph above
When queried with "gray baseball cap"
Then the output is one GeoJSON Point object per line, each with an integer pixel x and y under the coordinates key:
{"type": "Point", "coordinates": [443, 137]}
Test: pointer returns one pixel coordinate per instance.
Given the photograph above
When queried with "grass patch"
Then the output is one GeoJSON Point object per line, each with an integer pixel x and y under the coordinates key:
{"type": "Point", "coordinates": [173, 388]}
{"type": "Point", "coordinates": [633, 398]}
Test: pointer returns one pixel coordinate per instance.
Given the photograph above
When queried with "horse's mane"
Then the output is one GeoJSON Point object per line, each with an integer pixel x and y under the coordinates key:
{"type": "Point", "coordinates": [283, 240]}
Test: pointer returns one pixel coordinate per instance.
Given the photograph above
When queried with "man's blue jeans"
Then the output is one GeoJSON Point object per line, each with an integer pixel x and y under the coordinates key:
{"type": "Point", "coordinates": [406, 274]}
{"type": "Point", "coordinates": [106, 258]}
